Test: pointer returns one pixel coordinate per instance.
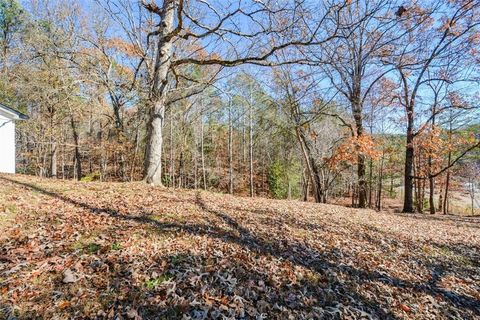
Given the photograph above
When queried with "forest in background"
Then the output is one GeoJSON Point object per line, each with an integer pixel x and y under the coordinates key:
{"type": "Point", "coordinates": [350, 101]}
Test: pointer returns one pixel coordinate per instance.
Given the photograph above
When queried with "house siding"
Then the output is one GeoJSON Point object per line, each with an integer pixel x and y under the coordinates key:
{"type": "Point", "coordinates": [7, 145]}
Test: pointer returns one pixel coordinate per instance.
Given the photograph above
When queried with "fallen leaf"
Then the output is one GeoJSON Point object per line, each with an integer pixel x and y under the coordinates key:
{"type": "Point", "coordinates": [68, 276]}
{"type": "Point", "coordinates": [405, 308]}
{"type": "Point", "coordinates": [133, 314]}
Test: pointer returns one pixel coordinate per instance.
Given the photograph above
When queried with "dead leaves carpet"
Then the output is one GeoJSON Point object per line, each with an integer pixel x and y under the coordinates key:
{"type": "Point", "coordinates": [72, 250]}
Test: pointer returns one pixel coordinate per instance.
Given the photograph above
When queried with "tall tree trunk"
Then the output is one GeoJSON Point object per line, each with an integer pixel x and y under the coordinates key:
{"type": "Point", "coordinates": [409, 158]}
{"type": "Point", "coordinates": [53, 161]}
{"type": "Point", "coordinates": [431, 179]}
{"type": "Point", "coordinates": [123, 166]}
{"type": "Point", "coordinates": [440, 200]}
{"type": "Point", "coordinates": [421, 195]}
{"type": "Point", "coordinates": [135, 152]}
{"type": "Point", "coordinates": [5, 56]}
{"type": "Point", "coordinates": [449, 160]}
{"type": "Point", "coordinates": [391, 186]}
{"type": "Point", "coordinates": [370, 183]}
{"type": "Point", "coordinates": [472, 195]}
{"type": "Point", "coordinates": [180, 170]}
{"type": "Point", "coordinates": [103, 157]}
{"type": "Point", "coordinates": [230, 149]}
{"type": "Point", "coordinates": [244, 141]}
{"type": "Point", "coordinates": [305, 184]}
{"type": "Point", "coordinates": [431, 202]}
{"type": "Point", "coordinates": [172, 155]}
{"type": "Point", "coordinates": [380, 185]}
{"type": "Point", "coordinates": [325, 186]}
{"type": "Point", "coordinates": [195, 162]}
{"type": "Point", "coordinates": [362, 185]}
{"type": "Point", "coordinates": [119, 134]}
{"type": "Point", "coordinates": [77, 158]}
{"type": "Point", "coordinates": [447, 185]}
{"type": "Point", "coordinates": [202, 146]}
{"type": "Point", "coordinates": [153, 154]}
{"type": "Point", "coordinates": [250, 148]}
{"type": "Point", "coordinates": [311, 166]}
{"type": "Point", "coordinates": [264, 175]}
{"type": "Point", "coordinates": [417, 188]}
{"type": "Point", "coordinates": [63, 153]}
{"type": "Point", "coordinates": [354, 195]}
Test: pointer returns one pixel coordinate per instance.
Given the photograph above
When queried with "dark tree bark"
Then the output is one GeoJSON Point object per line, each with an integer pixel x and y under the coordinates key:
{"type": "Point", "coordinates": [380, 185]}
{"type": "Point", "coordinates": [431, 201]}
{"type": "Point", "coordinates": [431, 179]}
{"type": "Point", "coordinates": [447, 186]}
{"type": "Point", "coordinates": [77, 158]}
{"type": "Point", "coordinates": [361, 168]}
{"type": "Point", "coordinates": [409, 158]}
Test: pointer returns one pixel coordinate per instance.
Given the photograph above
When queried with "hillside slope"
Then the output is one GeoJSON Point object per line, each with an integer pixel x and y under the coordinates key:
{"type": "Point", "coordinates": [88, 250]}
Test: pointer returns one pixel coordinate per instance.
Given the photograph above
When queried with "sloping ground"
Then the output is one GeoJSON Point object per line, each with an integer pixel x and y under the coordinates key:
{"type": "Point", "coordinates": [111, 250]}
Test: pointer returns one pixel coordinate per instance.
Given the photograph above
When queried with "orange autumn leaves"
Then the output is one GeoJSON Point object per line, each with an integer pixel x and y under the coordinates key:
{"type": "Point", "coordinates": [434, 144]}
{"type": "Point", "coordinates": [431, 144]}
{"type": "Point", "coordinates": [124, 47]}
{"type": "Point", "coordinates": [348, 151]}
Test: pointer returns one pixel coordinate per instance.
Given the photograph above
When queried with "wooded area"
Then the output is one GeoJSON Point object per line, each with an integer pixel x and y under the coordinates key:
{"type": "Point", "coordinates": [250, 159]}
{"type": "Point", "coordinates": [351, 102]}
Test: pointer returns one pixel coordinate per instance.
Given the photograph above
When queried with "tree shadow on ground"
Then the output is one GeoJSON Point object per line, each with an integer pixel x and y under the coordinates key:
{"type": "Point", "coordinates": [343, 280]}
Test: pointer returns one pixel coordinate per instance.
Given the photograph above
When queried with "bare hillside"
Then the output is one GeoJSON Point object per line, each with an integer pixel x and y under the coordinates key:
{"type": "Point", "coordinates": [131, 251]}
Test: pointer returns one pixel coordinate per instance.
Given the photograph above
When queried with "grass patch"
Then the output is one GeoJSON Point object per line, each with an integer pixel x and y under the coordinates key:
{"type": "Point", "coordinates": [445, 253]}
{"type": "Point", "coordinates": [88, 245]}
{"type": "Point", "coordinates": [92, 248]}
{"type": "Point", "coordinates": [116, 246]}
{"type": "Point", "coordinates": [155, 282]}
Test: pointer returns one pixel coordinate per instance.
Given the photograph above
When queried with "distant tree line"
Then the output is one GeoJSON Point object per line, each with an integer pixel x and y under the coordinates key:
{"type": "Point", "coordinates": [355, 102]}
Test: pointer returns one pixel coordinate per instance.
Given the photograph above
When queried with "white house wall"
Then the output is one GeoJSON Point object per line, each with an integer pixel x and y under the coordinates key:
{"type": "Point", "coordinates": [7, 145]}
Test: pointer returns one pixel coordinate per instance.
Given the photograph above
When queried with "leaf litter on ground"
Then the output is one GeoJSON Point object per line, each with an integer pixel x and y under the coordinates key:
{"type": "Point", "coordinates": [76, 250]}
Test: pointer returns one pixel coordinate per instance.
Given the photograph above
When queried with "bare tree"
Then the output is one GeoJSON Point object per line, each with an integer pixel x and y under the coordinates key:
{"type": "Point", "coordinates": [181, 22]}
{"type": "Point", "coordinates": [424, 51]}
{"type": "Point", "coordinates": [352, 62]}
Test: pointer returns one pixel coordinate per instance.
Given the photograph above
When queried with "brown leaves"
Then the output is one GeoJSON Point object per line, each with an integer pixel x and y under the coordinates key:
{"type": "Point", "coordinates": [350, 149]}
{"type": "Point", "coordinates": [68, 276]}
{"type": "Point", "coordinates": [124, 47]}
{"type": "Point", "coordinates": [112, 250]}
{"type": "Point", "coordinates": [405, 308]}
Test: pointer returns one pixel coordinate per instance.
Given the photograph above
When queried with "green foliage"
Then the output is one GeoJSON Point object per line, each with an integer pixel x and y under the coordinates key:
{"type": "Point", "coordinates": [275, 180]}
{"type": "Point", "coordinates": [10, 18]}
{"type": "Point", "coordinates": [94, 176]}
{"type": "Point", "coordinates": [92, 248]}
{"type": "Point", "coordinates": [153, 283]}
{"type": "Point", "coordinates": [45, 25]}
{"type": "Point", "coordinates": [425, 203]}
{"type": "Point", "coordinates": [392, 193]}
{"type": "Point", "coordinates": [280, 175]}
{"type": "Point", "coordinates": [116, 246]}
{"type": "Point", "coordinates": [166, 180]}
